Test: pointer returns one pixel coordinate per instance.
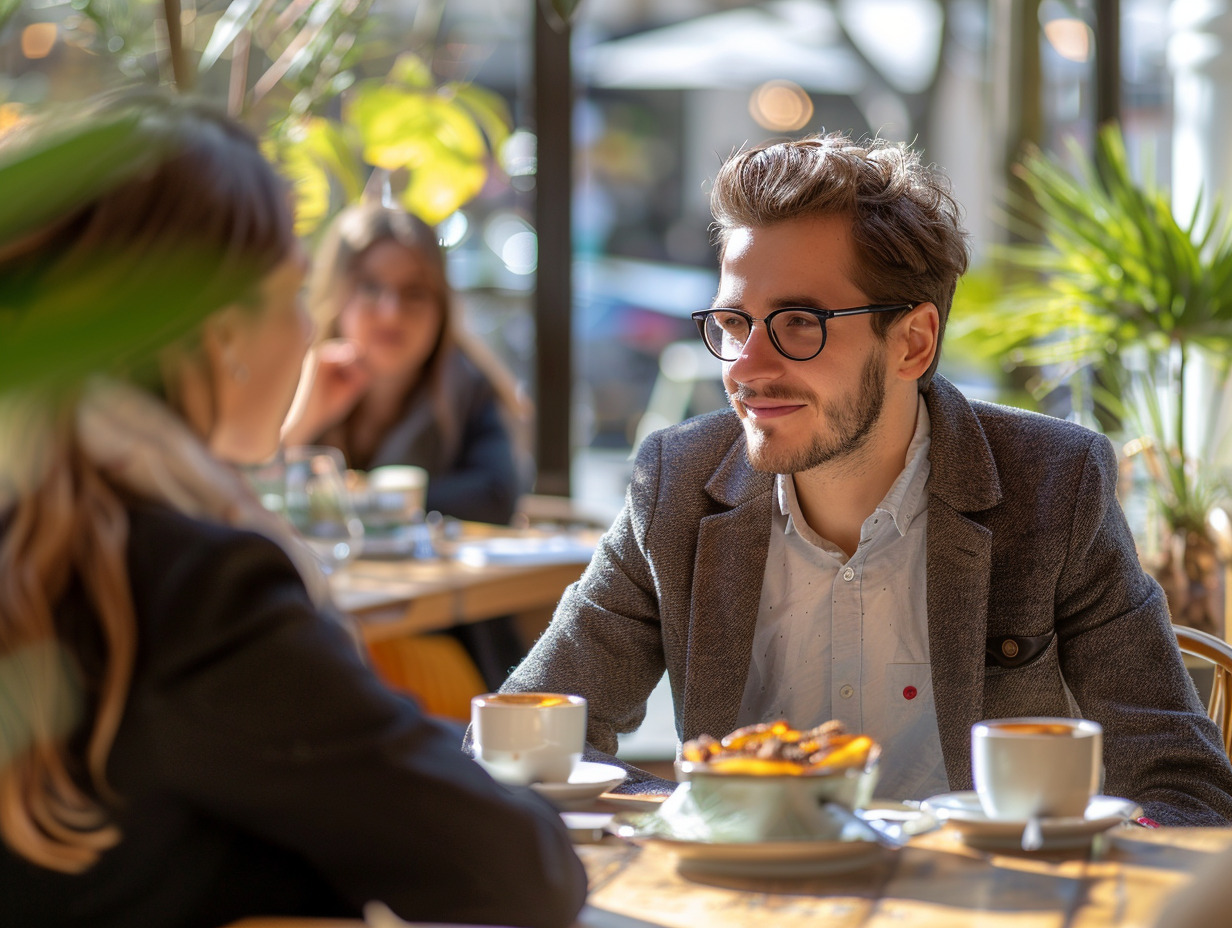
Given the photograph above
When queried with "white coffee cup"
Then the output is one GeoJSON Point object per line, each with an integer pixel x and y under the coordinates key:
{"type": "Point", "coordinates": [523, 738]}
{"type": "Point", "coordinates": [1036, 767]}
{"type": "Point", "coordinates": [396, 492]}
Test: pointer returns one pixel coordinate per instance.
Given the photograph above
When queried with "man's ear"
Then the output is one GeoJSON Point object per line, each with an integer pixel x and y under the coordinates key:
{"type": "Point", "coordinates": [916, 335]}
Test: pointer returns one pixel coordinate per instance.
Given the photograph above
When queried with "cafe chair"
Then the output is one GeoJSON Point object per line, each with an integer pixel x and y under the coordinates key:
{"type": "Point", "coordinates": [434, 669]}
{"type": "Point", "coordinates": [1218, 653]}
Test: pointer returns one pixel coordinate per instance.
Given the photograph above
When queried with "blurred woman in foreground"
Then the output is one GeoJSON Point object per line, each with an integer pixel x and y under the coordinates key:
{"type": "Point", "coordinates": [402, 383]}
{"type": "Point", "coordinates": [186, 737]}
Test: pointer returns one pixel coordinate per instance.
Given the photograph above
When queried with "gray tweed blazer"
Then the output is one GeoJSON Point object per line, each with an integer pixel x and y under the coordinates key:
{"type": "Point", "coordinates": [1026, 543]}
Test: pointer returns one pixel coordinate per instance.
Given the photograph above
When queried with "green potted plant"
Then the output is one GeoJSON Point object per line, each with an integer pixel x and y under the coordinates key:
{"type": "Point", "coordinates": [1131, 308]}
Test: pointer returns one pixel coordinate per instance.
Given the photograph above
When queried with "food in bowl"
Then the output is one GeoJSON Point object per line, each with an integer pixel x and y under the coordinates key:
{"type": "Point", "coordinates": [775, 748]}
{"type": "Point", "coordinates": [771, 782]}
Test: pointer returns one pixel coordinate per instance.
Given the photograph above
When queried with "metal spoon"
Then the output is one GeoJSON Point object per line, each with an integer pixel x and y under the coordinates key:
{"type": "Point", "coordinates": [1032, 835]}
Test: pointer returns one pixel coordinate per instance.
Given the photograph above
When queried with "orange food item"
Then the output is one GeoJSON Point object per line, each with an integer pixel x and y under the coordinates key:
{"type": "Point", "coordinates": [775, 748]}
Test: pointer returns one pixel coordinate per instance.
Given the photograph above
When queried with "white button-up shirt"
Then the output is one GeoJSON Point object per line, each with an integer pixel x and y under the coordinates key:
{"type": "Point", "coordinates": [848, 638]}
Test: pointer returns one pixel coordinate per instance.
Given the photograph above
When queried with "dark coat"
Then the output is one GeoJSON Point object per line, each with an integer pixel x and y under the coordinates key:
{"type": "Point", "coordinates": [263, 769]}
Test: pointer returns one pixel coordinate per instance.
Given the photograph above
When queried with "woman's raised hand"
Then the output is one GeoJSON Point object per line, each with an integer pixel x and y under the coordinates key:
{"type": "Point", "coordinates": [335, 377]}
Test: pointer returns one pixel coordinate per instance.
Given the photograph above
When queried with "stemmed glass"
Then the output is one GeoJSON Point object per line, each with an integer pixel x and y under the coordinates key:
{"type": "Point", "coordinates": [319, 506]}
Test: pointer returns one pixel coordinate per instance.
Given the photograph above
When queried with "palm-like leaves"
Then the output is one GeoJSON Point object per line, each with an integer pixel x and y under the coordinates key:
{"type": "Point", "coordinates": [1122, 284]}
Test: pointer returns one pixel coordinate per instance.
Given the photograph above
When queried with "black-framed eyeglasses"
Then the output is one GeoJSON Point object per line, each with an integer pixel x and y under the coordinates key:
{"type": "Point", "coordinates": [797, 332]}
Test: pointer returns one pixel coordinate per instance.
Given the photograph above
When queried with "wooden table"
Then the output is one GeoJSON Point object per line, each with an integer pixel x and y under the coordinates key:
{"type": "Point", "coordinates": [934, 882]}
{"type": "Point", "coordinates": [395, 598]}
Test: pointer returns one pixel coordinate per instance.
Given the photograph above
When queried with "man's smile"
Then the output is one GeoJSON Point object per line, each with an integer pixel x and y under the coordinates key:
{"type": "Point", "coordinates": [766, 409]}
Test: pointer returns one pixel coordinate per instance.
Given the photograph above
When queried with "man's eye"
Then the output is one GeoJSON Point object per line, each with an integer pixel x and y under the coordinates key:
{"type": "Point", "coordinates": [797, 321]}
{"type": "Point", "coordinates": [731, 322]}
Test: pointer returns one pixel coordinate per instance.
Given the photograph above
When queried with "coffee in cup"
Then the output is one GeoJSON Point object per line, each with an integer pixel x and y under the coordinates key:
{"type": "Point", "coordinates": [522, 738]}
{"type": "Point", "coordinates": [1036, 767]}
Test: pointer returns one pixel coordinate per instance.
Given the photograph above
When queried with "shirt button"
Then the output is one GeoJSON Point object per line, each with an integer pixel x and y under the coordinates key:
{"type": "Point", "coordinates": [847, 691]}
{"type": "Point", "coordinates": [909, 692]}
{"type": "Point", "coordinates": [848, 573]}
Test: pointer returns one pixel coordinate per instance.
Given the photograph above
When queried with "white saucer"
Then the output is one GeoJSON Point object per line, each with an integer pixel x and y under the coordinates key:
{"type": "Point", "coordinates": [962, 811]}
{"type": "Point", "coordinates": [588, 781]}
{"type": "Point", "coordinates": [799, 857]}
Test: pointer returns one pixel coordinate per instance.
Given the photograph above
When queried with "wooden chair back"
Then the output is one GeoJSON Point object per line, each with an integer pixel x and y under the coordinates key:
{"type": "Point", "coordinates": [1218, 653]}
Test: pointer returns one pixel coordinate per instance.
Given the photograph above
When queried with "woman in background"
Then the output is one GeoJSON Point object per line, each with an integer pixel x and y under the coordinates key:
{"type": "Point", "coordinates": [401, 383]}
{"type": "Point", "coordinates": [186, 736]}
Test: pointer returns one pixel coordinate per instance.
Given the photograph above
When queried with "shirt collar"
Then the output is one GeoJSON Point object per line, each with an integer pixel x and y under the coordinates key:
{"type": "Point", "coordinates": [902, 503]}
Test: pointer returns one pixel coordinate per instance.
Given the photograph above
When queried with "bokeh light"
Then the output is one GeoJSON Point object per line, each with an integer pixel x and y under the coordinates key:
{"type": "Point", "coordinates": [781, 106]}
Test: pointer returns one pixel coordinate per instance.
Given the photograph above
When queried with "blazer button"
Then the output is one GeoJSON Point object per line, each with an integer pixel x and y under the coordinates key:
{"type": "Point", "coordinates": [1009, 647]}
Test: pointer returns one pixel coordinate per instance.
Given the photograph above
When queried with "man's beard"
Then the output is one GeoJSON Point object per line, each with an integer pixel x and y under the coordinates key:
{"type": "Point", "coordinates": [851, 422]}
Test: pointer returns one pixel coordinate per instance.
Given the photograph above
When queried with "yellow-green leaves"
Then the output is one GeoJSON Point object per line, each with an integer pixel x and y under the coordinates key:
{"type": "Point", "coordinates": [437, 141]}
{"type": "Point", "coordinates": [318, 157]}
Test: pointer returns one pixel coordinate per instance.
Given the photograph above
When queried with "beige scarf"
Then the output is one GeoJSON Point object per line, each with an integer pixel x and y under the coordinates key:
{"type": "Point", "coordinates": [141, 446]}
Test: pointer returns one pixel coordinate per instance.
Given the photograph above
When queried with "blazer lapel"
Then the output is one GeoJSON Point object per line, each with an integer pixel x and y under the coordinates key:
{"type": "Point", "coordinates": [729, 566]}
{"type": "Point", "coordinates": [959, 558]}
{"type": "Point", "coordinates": [959, 551]}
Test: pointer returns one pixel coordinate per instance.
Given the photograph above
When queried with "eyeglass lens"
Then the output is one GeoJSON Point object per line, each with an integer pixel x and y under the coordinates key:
{"type": "Point", "coordinates": [373, 291]}
{"type": "Point", "coordinates": [798, 335]}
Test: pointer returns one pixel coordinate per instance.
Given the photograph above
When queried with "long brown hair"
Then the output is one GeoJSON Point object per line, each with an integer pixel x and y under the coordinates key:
{"type": "Point", "coordinates": [189, 227]}
{"type": "Point", "coordinates": [349, 237]}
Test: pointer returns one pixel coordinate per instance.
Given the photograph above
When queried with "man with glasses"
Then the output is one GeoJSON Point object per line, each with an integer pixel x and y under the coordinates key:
{"type": "Point", "coordinates": [854, 539]}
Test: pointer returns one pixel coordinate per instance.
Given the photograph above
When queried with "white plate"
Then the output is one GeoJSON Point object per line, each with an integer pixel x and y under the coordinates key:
{"type": "Point", "coordinates": [962, 811]}
{"type": "Point", "coordinates": [587, 781]}
{"type": "Point", "coordinates": [771, 858]}
{"type": "Point", "coordinates": [793, 858]}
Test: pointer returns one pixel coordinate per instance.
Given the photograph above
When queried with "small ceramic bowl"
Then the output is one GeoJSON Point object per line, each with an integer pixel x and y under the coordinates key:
{"type": "Point", "coordinates": [721, 806]}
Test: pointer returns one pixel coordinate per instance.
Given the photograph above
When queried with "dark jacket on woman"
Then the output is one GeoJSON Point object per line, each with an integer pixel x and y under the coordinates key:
{"type": "Point", "coordinates": [472, 473]}
{"type": "Point", "coordinates": [262, 769]}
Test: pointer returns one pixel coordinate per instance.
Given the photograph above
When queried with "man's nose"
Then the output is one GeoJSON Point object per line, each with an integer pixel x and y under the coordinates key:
{"type": "Point", "coordinates": [758, 358]}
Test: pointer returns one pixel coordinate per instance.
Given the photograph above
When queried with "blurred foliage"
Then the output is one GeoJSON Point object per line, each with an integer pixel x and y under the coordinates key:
{"type": "Point", "coordinates": [298, 73]}
{"type": "Point", "coordinates": [431, 143]}
{"type": "Point", "coordinates": [293, 70]}
{"type": "Point", "coordinates": [111, 312]}
{"type": "Point", "coordinates": [1119, 302]}
{"type": "Point", "coordinates": [7, 9]}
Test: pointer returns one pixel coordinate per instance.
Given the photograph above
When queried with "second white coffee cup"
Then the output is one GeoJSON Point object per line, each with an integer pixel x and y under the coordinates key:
{"type": "Point", "coordinates": [1036, 767]}
{"type": "Point", "coordinates": [523, 738]}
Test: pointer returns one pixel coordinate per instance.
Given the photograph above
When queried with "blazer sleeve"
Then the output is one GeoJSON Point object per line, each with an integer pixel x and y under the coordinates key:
{"type": "Point", "coordinates": [1120, 659]}
{"type": "Point", "coordinates": [259, 711]}
{"type": "Point", "coordinates": [604, 641]}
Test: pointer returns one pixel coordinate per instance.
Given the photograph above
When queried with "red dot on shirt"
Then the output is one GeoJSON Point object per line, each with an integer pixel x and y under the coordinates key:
{"type": "Point", "coordinates": [909, 692]}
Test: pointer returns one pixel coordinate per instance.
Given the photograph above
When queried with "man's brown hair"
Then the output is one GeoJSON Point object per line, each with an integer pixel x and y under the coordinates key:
{"type": "Point", "coordinates": [905, 225]}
